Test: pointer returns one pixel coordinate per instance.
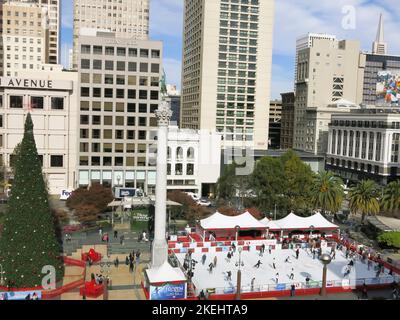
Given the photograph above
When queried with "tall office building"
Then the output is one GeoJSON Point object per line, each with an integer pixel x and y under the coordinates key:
{"type": "Point", "coordinates": [275, 123]}
{"type": "Point", "coordinates": [287, 121]}
{"type": "Point", "coordinates": [329, 79]}
{"type": "Point", "coordinates": [119, 93]}
{"type": "Point", "coordinates": [19, 19]}
{"type": "Point", "coordinates": [226, 71]}
{"type": "Point", "coordinates": [126, 18]}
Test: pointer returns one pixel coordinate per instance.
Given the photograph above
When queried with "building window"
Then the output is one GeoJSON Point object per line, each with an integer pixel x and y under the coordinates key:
{"type": "Point", "coordinates": [178, 169]}
{"type": "Point", "coordinates": [16, 102]}
{"type": "Point", "coordinates": [190, 169]}
{"type": "Point", "coordinates": [57, 103]}
{"type": "Point", "coordinates": [85, 64]}
{"type": "Point", "coordinates": [56, 161]}
{"type": "Point", "coordinates": [37, 102]}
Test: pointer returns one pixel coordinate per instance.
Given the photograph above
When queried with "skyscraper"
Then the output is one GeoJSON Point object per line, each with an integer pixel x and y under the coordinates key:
{"type": "Point", "coordinates": [380, 46]}
{"type": "Point", "coordinates": [226, 72]}
{"type": "Point", "coordinates": [126, 18]}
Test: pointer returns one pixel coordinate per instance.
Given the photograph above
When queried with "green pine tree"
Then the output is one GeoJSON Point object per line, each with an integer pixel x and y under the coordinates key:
{"type": "Point", "coordinates": [28, 241]}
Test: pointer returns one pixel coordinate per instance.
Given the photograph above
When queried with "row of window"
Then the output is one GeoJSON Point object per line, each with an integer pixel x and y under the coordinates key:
{"type": "Point", "coordinates": [118, 121]}
{"type": "Point", "coordinates": [35, 102]}
{"type": "Point", "coordinates": [109, 106]}
{"type": "Point", "coordinates": [119, 93]}
{"type": "Point", "coordinates": [120, 51]}
{"type": "Point", "coordinates": [119, 79]}
{"type": "Point", "coordinates": [119, 66]}
{"type": "Point", "coordinates": [110, 134]}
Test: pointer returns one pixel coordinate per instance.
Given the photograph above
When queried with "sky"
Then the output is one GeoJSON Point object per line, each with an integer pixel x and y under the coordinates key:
{"type": "Point", "coordinates": [347, 19]}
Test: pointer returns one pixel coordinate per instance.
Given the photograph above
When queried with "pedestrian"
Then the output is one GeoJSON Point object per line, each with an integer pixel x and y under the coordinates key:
{"type": "Point", "coordinates": [257, 265]}
{"type": "Point", "coordinates": [131, 257]}
{"type": "Point", "coordinates": [202, 295]}
{"type": "Point", "coordinates": [229, 257]}
{"type": "Point", "coordinates": [203, 259]}
{"type": "Point", "coordinates": [390, 272]}
{"type": "Point", "coordinates": [270, 249]}
{"type": "Point", "coordinates": [215, 261]}
{"type": "Point", "coordinates": [292, 290]}
{"type": "Point", "coordinates": [116, 262]}
{"type": "Point", "coordinates": [100, 232]}
{"type": "Point", "coordinates": [333, 255]}
{"type": "Point", "coordinates": [127, 260]}
{"type": "Point", "coordinates": [313, 254]}
{"type": "Point", "coordinates": [229, 276]}
{"type": "Point", "coordinates": [138, 253]}
{"type": "Point", "coordinates": [307, 281]}
{"type": "Point", "coordinates": [364, 292]}
{"type": "Point", "coordinates": [291, 277]}
{"type": "Point", "coordinates": [273, 264]}
{"type": "Point", "coordinates": [369, 264]}
{"type": "Point", "coordinates": [277, 277]}
{"type": "Point", "coordinates": [131, 266]}
{"type": "Point", "coordinates": [121, 240]}
{"type": "Point", "coordinates": [297, 253]}
{"type": "Point", "coordinates": [115, 234]}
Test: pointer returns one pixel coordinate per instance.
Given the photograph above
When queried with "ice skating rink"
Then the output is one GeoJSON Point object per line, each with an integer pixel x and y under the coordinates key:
{"type": "Point", "coordinates": [265, 275]}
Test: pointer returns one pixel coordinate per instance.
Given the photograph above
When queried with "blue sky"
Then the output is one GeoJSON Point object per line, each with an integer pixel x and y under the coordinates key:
{"type": "Point", "coordinates": [347, 19]}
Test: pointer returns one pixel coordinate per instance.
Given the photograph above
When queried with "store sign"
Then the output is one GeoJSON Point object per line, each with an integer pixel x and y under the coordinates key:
{"type": "Point", "coordinates": [65, 194]}
{"type": "Point", "coordinates": [168, 291]}
{"type": "Point", "coordinates": [34, 83]}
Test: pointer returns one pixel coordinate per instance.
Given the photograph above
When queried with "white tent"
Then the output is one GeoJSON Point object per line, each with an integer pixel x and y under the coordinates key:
{"type": "Point", "coordinates": [219, 221]}
{"type": "Point", "coordinates": [270, 224]}
{"type": "Point", "coordinates": [165, 273]}
{"type": "Point", "coordinates": [315, 222]}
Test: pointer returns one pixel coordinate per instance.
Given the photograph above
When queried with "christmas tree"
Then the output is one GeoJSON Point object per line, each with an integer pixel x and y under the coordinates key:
{"type": "Point", "coordinates": [28, 241]}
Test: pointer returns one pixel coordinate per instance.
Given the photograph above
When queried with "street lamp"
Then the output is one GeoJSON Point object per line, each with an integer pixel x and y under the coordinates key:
{"type": "Point", "coordinates": [237, 228]}
{"type": "Point", "coordinates": [239, 274]}
{"type": "Point", "coordinates": [105, 266]}
{"type": "Point", "coordinates": [325, 259]}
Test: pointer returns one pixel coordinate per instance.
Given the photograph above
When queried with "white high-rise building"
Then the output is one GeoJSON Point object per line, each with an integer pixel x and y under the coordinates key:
{"type": "Point", "coordinates": [49, 21]}
{"type": "Point", "coordinates": [380, 46]}
{"type": "Point", "coordinates": [226, 70]}
{"type": "Point", "coordinates": [126, 18]}
{"type": "Point", "coordinates": [307, 41]}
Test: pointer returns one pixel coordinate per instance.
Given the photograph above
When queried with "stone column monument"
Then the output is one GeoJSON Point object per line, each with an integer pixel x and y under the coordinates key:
{"type": "Point", "coordinates": [160, 246]}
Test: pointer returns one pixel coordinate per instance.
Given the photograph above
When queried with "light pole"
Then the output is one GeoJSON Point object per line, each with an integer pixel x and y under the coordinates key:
{"type": "Point", "coordinates": [1, 276]}
{"type": "Point", "coordinates": [239, 274]}
{"type": "Point", "coordinates": [237, 228]}
{"type": "Point", "coordinates": [275, 212]}
{"type": "Point", "coordinates": [325, 259]}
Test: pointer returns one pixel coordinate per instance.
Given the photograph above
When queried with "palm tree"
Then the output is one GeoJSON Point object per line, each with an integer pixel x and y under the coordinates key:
{"type": "Point", "coordinates": [364, 198]}
{"type": "Point", "coordinates": [327, 192]}
{"type": "Point", "coordinates": [391, 197]}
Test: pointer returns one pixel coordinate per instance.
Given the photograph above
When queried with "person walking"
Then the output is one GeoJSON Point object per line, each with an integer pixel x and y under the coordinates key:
{"type": "Point", "coordinates": [369, 264]}
{"type": "Point", "coordinates": [131, 266]}
{"type": "Point", "coordinates": [121, 240]}
{"type": "Point", "coordinates": [100, 232]}
{"type": "Point", "coordinates": [115, 234]}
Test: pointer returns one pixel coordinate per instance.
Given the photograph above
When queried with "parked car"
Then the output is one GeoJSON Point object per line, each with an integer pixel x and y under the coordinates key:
{"type": "Point", "coordinates": [204, 202]}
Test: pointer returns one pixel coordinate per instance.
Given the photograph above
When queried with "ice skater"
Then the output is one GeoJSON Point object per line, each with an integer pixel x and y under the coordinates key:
{"type": "Point", "coordinates": [273, 264]}
{"type": "Point", "coordinates": [261, 252]}
{"type": "Point", "coordinates": [346, 272]}
{"type": "Point", "coordinates": [291, 277]}
{"type": "Point", "coordinates": [263, 248]}
{"type": "Point", "coordinates": [228, 276]}
{"type": "Point", "coordinates": [313, 253]}
{"type": "Point", "coordinates": [287, 260]}
{"type": "Point", "coordinates": [228, 257]}
{"type": "Point", "coordinates": [252, 284]}
{"type": "Point", "coordinates": [277, 278]}
{"type": "Point", "coordinates": [369, 264]}
{"type": "Point", "coordinates": [215, 261]}
{"type": "Point", "coordinates": [257, 265]}
{"type": "Point", "coordinates": [297, 253]}
{"type": "Point", "coordinates": [334, 255]}
{"type": "Point", "coordinates": [210, 267]}
{"type": "Point", "coordinates": [203, 259]}
{"type": "Point", "coordinates": [270, 249]}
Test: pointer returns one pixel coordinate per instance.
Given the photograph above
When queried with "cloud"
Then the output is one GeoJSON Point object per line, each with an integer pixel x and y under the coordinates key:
{"type": "Point", "coordinates": [166, 18]}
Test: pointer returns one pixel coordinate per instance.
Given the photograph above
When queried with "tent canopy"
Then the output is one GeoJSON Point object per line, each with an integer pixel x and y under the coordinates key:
{"type": "Point", "coordinates": [219, 221]}
{"type": "Point", "coordinates": [270, 224]}
{"type": "Point", "coordinates": [315, 222]}
{"type": "Point", "coordinates": [165, 273]}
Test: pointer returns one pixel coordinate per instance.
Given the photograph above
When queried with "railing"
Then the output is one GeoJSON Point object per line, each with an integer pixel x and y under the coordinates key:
{"type": "Point", "coordinates": [346, 284]}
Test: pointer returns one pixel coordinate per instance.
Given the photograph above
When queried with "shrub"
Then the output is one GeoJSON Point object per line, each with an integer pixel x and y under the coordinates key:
{"type": "Point", "coordinates": [390, 239]}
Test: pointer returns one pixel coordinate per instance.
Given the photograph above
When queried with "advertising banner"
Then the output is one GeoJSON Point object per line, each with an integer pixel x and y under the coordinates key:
{"type": "Point", "coordinates": [168, 291]}
{"type": "Point", "coordinates": [388, 88]}
{"type": "Point", "coordinates": [21, 295]}
{"type": "Point", "coordinates": [280, 287]}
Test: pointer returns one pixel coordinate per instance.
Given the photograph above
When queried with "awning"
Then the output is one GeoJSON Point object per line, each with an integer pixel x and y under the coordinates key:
{"type": "Point", "coordinates": [219, 221]}
{"type": "Point", "coordinates": [315, 222]}
{"type": "Point", "coordinates": [270, 224]}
